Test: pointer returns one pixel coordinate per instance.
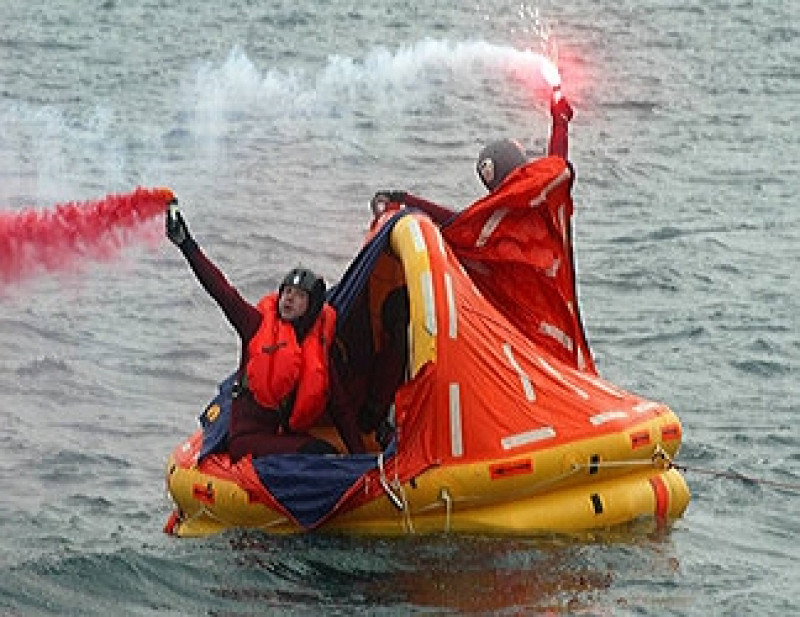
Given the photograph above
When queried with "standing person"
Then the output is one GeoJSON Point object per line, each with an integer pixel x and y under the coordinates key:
{"type": "Point", "coordinates": [516, 242]}
{"type": "Point", "coordinates": [282, 379]}
{"type": "Point", "coordinates": [495, 162]}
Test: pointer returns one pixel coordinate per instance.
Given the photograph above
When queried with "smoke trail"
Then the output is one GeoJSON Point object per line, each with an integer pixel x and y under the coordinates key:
{"type": "Point", "coordinates": [52, 240]}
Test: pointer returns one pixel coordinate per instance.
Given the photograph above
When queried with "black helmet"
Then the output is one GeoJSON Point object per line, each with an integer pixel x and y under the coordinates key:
{"type": "Point", "coordinates": [498, 159]}
{"type": "Point", "coordinates": [314, 286]}
{"type": "Point", "coordinates": [304, 279]}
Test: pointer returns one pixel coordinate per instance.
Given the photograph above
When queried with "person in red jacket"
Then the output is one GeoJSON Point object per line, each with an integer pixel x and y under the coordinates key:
{"type": "Point", "coordinates": [495, 162]}
{"type": "Point", "coordinates": [282, 378]}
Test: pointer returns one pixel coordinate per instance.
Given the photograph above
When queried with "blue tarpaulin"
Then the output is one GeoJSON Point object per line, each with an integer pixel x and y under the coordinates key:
{"type": "Point", "coordinates": [308, 485]}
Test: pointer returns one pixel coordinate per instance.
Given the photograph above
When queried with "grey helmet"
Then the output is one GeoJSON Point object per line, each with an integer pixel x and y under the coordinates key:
{"type": "Point", "coordinates": [498, 159]}
{"type": "Point", "coordinates": [314, 286]}
{"type": "Point", "coordinates": [304, 279]}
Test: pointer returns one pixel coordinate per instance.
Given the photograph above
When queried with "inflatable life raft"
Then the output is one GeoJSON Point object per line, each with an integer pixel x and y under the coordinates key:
{"type": "Point", "coordinates": [502, 425]}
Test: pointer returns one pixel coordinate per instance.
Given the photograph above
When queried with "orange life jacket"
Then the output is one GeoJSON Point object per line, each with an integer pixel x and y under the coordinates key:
{"type": "Point", "coordinates": [277, 367]}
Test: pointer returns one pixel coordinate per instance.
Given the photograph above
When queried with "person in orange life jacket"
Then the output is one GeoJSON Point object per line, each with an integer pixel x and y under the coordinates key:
{"type": "Point", "coordinates": [495, 162]}
{"type": "Point", "coordinates": [282, 378]}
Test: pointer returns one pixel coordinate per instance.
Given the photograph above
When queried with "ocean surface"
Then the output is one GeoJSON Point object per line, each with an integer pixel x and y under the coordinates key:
{"type": "Point", "coordinates": [274, 122]}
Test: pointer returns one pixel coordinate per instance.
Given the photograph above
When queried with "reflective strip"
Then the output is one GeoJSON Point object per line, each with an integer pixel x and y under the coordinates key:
{"type": "Point", "coordinates": [452, 314]}
{"type": "Point", "coordinates": [561, 379]}
{"type": "Point", "coordinates": [581, 360]}
{"type": "Point", "coordinates": [426, 284]}
{"type": "Point", "coordinates": [490, 226]}
{"type": "Point", "coordinates": [527, 386]}
{"type": "Point", "coordinates": [440, 243]}
{"type": "Point", "coordinates": [456, 434]}
{"type": "Point", "coordinates": [558, 334]}
{"type": "Point", "coordinates": [552, 271]}
{"type": "Point", "coordinates": [602, 385]}
{"type": "Point", "coordinates": [564, 175]}
{"type": "Point", "coordinates": [607, 416]}
{"type": "Point", "coordinates": [416, 236]}
{"type": "Point", "coordinates": [521, 439]}
{"type": "Point", "coordinates": [646, 406]}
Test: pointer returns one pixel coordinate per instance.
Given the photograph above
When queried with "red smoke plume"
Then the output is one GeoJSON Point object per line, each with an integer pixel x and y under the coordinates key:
{"type": "Point", "coordinates": [33, 241]}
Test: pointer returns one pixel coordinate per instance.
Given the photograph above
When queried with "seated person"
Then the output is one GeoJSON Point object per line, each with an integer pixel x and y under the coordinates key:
{"type": "Point", "coordinates": [365, 375]}
{"type": "Point", "coordinates": [282, 379]}
{"type": "Point", "coordinates": [391, 363]}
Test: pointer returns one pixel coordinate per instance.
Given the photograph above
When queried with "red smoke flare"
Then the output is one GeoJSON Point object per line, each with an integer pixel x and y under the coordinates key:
{"type": "Point", "coordinates": [32, 241]}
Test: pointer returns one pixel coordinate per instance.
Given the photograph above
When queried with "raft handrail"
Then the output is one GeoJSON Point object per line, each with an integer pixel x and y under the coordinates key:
{"type": "Point", "coordinates": [521, 492]}
{"type": "Point", "coordinates": [662, 460]}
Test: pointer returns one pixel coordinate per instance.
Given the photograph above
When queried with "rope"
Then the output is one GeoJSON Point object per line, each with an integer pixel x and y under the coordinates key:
{"type": "Point", "coordinates": [735, 475]}
{"type": "Point", "coordinates": [409, 524]}
{"type": "Point", "coordinates": [662, 460]}
{"type": "Point", "coordinates": [444, 495]}
{"type": "Point", "coordinates": [399, 502]}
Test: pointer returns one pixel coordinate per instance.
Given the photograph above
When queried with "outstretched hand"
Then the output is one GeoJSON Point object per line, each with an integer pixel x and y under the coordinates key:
{"type": "Point", "coordinates": [381, 199]}
{"type": "Point", "coordinates": [177, 230]}
{"type": "Point", "coordinates": [560, 108]}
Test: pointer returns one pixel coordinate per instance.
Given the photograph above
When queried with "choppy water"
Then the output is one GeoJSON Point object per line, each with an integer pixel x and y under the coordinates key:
{"type": "Point", "coordinates": [274, 122]}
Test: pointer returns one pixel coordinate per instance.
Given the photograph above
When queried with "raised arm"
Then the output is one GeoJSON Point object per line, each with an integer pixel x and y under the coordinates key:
{"type": "Point", "coordinates": [561, 111]}
{"type": "Point", "coordinates": [243, 316]}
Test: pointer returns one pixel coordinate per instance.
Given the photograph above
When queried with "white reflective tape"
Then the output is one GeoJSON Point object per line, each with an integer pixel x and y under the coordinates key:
{"type": "Point", "coordinates": [552, 271]}
{"type": "Point", "coordinates": [581, 360]}
{"type": "Point", "coordinates": [490, 225]}
{"type": "Point", "coordinates": [602, 385]}
{"type": "Point", "coordinates": [563, 380]}
{"type": "Point", "coordinates": [646, 406]}
{"type": "Point", "coordinates": [426, 283]}
{"type": "Point", "coordinates": [440, 243]}
{"type": "Point", "coordinates": [607, 416]}
{"type": "Point", "coordinates": [522, 439]}
{"type": "Point", "coordinates": [564, 175]}
{"type": "Point", "coordinates": [557, 334]}
{"type": "Point", "coordinates": [456, 430]}
{"type": "Point", "coordinates": [527, 386]}
{"type": "Point", "coordinates": [416, 236]}
{"type": "Point", "coordinates": [452, 314]}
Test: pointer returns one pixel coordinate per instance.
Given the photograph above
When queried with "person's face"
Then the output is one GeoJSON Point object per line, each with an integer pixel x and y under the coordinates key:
{"type": "Point", "coordinates": [292, 303]}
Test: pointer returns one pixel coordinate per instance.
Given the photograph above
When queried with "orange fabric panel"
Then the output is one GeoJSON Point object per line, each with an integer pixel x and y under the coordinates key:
{"type": "Point", "coordinates": [517, 245]}
{"type": "Point", "coordinates": [492, 392]}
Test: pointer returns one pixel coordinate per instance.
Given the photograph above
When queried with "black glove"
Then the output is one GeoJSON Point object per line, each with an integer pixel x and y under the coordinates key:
{"type": "Point", "coordinates": [381, 199]}
{"type": "Point", "coordinates": [177, 231]}
{"type": "Point", "coordinates": [560, 108]}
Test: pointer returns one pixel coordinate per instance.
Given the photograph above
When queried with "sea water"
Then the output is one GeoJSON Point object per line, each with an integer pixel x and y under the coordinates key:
{"type": "Point", "coordinates": [274, 123]}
